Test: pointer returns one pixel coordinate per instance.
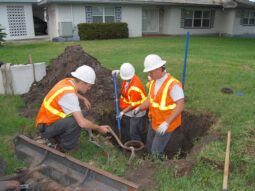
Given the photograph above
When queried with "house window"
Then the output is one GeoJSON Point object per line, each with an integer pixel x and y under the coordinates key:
{"type": "Point", "coordinates": [103, 14]}
{"type": "Point", "coordinates": [248, 18]}
{"type": "Point", "coordinates": [16, 20]}
{"type": "Point", "coordinates": [197, 18]}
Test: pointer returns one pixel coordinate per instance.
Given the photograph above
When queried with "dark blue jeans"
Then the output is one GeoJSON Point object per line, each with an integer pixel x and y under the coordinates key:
{"type": "Point", "coordinates": [156, 143]}
{"type": "Point", "coordinates": [66, 130]}
{"type": "Point", "coordinates": [136, 128]}
{"type": "Point", "coordinates": [131, 128]}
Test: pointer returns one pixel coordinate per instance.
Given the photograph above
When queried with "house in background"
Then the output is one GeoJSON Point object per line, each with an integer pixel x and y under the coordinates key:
{"type": "Point", "coordinates": [144, 17]}
{"type": "Point", "coordinates": [22, 19]}
{"type": "Point", "coordinates": [154, 17]}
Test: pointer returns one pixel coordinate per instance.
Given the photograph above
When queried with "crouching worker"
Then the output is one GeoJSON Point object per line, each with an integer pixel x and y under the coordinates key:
{"type": "Point", "coordinates": [60, 115]}
{"type": "Point", "coordinates": [133, 95]}
{"type": "Point", "coordinates": [165, 102]}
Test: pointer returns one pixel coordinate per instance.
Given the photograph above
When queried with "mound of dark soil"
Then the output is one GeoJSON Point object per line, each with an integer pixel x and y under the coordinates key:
{"type": "Point", "coordinates": [101, 95]}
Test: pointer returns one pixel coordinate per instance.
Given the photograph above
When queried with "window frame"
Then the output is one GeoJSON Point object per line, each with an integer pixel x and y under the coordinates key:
{"type": "Point", "coordinates": [251, 16]}
{"type": "Point", "coordinates": [104, 15]}
{"type": "Point", "coordinates": [193, 18]}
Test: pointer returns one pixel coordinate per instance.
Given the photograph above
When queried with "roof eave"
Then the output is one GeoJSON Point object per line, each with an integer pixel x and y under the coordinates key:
{"type": "Point", "coordinates": [246, 2]}
{"type": "Point", "coordinates": [150, 2]}
{"type": "Point", "coordinates": [19, 1]}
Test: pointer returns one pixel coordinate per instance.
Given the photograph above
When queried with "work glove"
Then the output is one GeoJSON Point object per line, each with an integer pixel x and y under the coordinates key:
{"type": "Point", "coordinates": [136, 111]}
{"type": "Point", "coordinates": [162, 128]}
{"type": "Point", "coordinates": [120, 115]}
{"type": "Point", "coordinates": [115, 72]}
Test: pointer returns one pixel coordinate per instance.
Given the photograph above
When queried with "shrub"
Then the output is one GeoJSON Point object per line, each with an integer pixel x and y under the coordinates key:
{"type": "Point", "coordinates": [91, 31]}
{"type": "Point", "coordinates": [2, 35]}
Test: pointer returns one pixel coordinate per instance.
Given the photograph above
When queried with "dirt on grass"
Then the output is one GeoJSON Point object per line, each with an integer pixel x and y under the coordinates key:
{"type": "Point", "coordinates": [101, 96]}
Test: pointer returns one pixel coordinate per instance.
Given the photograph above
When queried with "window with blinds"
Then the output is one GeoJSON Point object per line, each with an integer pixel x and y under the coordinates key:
{"type": "Point", "coordinates": [99, 14]}
{"type": "Point", "coordinates": [197, 18]}
{"type": "Point", "coordinates": [248, 18]}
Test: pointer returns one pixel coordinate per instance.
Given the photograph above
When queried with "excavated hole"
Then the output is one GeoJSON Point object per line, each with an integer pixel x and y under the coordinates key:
{"type": "Point", "coordinates": [138, 145]}
{"type": "Point", "coordinates": [193, 127]}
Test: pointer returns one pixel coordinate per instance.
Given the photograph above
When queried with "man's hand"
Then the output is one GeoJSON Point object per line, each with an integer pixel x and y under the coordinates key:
{"type": "Point", "coordinates": [120, 115]}
{"type": "Point", "coordinates": [162, 128]}
{"type": "Point", "coordinates": [104, 129]}
{"type": "Point", "coordinates": [84, 100]}
{"type": "Point", "coordinates": [115, 72]}
{"type": "Point", "coordinates": [87, 103]}
{"type": "Point", "coordinates": [136, 111]}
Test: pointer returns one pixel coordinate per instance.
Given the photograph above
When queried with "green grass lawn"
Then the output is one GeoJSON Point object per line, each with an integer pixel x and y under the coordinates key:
{"type": "Point", "coordinates": [213, 63]}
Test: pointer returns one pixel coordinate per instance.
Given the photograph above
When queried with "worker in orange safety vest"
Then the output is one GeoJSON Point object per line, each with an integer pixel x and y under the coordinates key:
{"type": "Point", "coordinates": [60, 115]}
{"type": "Point", "coordinates": [133, 95]}
{"type": "Point", "coordinates": [165, 103]}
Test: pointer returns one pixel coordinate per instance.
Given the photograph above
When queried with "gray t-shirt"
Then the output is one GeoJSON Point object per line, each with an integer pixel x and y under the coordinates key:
{"type": "Point", "coordinates": [176, 93]}
{"type": "Point", "coordinates": [70, 102]}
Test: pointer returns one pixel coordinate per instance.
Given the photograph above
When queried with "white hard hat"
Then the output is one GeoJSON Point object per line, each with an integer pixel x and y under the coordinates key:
{"type": "Point", "coordinates": [152, 62]}
{"type": "Point", "coordinates": [85, 73]}
{"type": "Point", "coordinates": [127, 71]}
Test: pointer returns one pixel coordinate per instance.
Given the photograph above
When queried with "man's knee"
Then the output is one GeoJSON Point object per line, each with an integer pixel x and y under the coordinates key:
{"type": "Point", "coordinates": [69, 139]}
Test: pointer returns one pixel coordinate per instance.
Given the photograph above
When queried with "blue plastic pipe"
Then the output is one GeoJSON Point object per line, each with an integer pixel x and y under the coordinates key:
{"type": "Point", "coordinates": [116, 101]}
{"type": "Point", "coordinates": [185, 59]}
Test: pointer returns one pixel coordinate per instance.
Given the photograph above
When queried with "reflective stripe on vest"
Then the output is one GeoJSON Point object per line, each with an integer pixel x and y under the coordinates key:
{"type": "Point", "coordinates": [47, 103]}
{"type": "Point", "coordinates": [137, 102]}
{"type": "Point", "coordinates": [162, 106]}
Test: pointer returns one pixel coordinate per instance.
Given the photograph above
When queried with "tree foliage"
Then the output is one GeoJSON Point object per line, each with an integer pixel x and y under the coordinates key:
{"type": "Point", "coordinates": [2, 35]}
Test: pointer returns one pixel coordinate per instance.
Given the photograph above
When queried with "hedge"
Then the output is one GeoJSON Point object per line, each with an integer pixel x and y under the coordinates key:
{"type": "Point", "coordinates": [92, 31]}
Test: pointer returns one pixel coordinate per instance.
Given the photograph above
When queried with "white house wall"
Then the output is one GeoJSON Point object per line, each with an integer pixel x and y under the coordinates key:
{"type": "Point", "coordinates": [227, 21]}
{"type": "Point", "coordinates": [75, 13]}
{"type": "Point", "coordinates": [239, 29]}
{"type": "Point", "coordinates": [172, 23]}
{"type": "Point", "coordinates": [52, 21]}
{"type": "Point", "coordinates": [132, 15]}
{"type": "Point", "coordinates": [28, 19]}
{"type": "Point", "coordinates": [72, 13]}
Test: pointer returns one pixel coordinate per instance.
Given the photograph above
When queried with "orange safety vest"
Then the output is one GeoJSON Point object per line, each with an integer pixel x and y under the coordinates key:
{"type": "Point", "coordinates": [50, 111]}
{"type": "Point", "coordinates": [162, 105]}
{"type": "Point", "coordinates": [134, 95]}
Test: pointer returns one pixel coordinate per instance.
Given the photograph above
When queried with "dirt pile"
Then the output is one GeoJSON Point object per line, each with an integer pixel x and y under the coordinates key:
{"type": "Point", "coordinates": [101, 95]}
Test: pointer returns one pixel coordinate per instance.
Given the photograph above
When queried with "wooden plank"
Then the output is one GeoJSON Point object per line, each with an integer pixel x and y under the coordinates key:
{"type": "Point", "coordinates": [226, 167]}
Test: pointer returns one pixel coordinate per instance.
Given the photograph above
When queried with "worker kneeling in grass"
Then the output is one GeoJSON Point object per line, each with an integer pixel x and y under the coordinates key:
{"type": "Point", "coordinates": [60, 115]}
{"type": "Point", "coordinates": [133, 95]}
{"type": "Point", "coordinates": [165, 102]}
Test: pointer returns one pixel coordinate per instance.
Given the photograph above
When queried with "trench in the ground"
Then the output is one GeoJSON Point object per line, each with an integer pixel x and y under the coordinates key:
{"type": "Point", "coordinates": [182, 141]}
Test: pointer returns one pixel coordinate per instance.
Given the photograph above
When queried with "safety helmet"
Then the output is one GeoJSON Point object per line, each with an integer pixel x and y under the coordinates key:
{"type": "Point", "coordinates": [85, 73]}
{"type": "Point", "coordinates": [127, 71]}
{"type": "Point", "coordinates": [152, 62]}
